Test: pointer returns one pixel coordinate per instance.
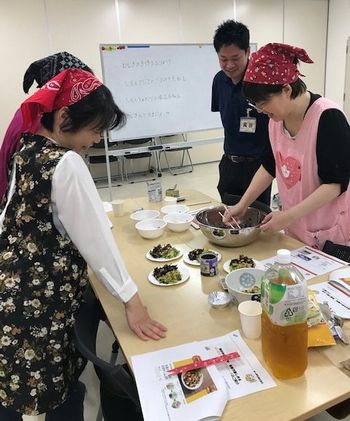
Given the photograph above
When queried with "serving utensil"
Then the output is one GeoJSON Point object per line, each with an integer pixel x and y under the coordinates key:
{"type": "Point", "coordinates": [333, 322]}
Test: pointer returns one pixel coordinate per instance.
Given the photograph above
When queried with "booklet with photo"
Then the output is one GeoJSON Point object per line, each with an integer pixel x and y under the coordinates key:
{"type": "Point", "coordinates": [243, 375]}
{"type": "Point", "coordinates": [198, 394]}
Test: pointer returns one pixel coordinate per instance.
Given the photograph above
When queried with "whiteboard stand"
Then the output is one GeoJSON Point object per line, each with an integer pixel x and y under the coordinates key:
{"type": "Point", "coordinates": [109, 178]}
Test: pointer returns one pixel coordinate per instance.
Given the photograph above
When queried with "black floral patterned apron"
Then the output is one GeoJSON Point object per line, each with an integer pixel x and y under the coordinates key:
{"type": "Point", "coordinates": [42, 277]}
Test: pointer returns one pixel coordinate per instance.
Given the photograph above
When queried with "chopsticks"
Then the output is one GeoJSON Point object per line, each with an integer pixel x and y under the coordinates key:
{"type": "Point", "coordinates": [238, 226]}
{"type": "Point", "coordinates": [198, 363]}
{"type": "Point", "coordinates": [222, 216]}
{"type": "Point", "coordinates": [198, 203]}
{"type": "Point", "coordinates": [233, 219]}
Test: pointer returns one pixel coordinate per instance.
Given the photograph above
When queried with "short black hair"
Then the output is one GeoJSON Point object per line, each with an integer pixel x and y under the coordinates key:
{"type": "Point", "coordinates": [256, 92]}
{"type": "Point", "coordinates": [231, 32]}
{"type": "Point", "coordinates": [97, 109]}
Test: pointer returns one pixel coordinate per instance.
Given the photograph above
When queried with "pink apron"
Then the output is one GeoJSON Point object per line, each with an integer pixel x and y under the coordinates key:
{"type": "Point", "coordinates": [297, 178]}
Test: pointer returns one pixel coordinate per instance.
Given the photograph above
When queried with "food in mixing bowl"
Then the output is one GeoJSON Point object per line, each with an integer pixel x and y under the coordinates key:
{"type": "Point", "coordinates": [167, 274]}
{"type": "Point", "coordinates": [242, 262]}
{"type": "Point", "coordinates": [166, 251]}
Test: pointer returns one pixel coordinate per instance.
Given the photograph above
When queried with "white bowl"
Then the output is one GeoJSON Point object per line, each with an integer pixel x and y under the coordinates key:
{"type": "Point", "coordinates": [151, 228]}
{"type": "Point", "coordinates": [178, 222]}
{"type": "Point", "coordinates": [241, 280]}
{"type": "Point", "coordinates": [175, 209]}
{"type": "Point", "coordinates": [144, 214]}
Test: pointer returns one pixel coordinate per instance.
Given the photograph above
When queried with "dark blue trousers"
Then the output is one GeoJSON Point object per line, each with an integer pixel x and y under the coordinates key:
{"type": "Point", "coordinates": [236, 177]}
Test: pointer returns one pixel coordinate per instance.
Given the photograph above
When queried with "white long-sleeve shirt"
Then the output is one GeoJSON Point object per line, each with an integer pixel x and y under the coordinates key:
{"type": "Point", "coordinates": [78, 212]}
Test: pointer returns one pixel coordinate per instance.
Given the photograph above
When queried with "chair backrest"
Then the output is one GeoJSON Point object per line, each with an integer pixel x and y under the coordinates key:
{"type": "Point", "coordinates": [337, 250]}
{"type": "Point", "coordinates": [114, 377]}
{"type": "Point", "coordinates": [138, 141]}
{"type": "Point", "coordinates": [232, 199]}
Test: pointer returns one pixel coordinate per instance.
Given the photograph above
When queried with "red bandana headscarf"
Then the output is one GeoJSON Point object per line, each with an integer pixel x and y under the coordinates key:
{"type": "Point", "coordinates": [65, 89]}
{"type": "Point", "coordinates": [273, 64]}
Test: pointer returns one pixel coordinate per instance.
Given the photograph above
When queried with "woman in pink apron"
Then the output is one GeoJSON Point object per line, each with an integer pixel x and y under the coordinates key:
{"type": "Point", "coordinates": [309, 153]}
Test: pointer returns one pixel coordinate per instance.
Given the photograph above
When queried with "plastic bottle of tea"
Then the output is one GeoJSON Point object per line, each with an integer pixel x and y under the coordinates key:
{"type": "Point", "coordinates": [284, 329]}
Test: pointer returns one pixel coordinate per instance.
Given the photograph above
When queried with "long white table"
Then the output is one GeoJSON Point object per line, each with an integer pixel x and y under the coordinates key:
{"type": "Point", "coordinates": [185, 311]}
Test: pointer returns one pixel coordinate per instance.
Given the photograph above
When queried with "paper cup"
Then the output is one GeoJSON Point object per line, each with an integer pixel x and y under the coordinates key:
{"type": "Point", "coordinates": [118, 207]}
{"type": "Point", "coordinates": [250, 314]}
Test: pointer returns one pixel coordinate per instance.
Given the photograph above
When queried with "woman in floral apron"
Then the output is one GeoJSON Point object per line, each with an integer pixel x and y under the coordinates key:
{"type": "Point", "coordinates": [309, 154]}
{"type": "Point", "coordinates": [51, 226]}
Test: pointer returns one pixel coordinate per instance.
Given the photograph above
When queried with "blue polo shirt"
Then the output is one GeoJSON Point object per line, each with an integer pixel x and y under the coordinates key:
{"type": "Point", "coordinates": [228, 99]}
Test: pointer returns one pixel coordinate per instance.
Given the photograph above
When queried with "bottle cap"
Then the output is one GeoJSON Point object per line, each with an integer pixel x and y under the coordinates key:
{"type": "Point", "coordinates": [283, 256]}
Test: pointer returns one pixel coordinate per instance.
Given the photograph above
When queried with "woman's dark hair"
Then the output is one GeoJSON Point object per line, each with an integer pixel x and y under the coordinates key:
{"type": "Point", "coordinates": [231, 32]}
{"type": "Point", "coordinates": [97, 110]}
{"type": "Point", "coordinates": [256, 93]}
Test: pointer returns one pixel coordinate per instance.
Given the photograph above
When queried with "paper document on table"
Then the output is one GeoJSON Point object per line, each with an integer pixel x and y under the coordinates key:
{"type": "Point", "coordinates": [336, 292]}
{"type": "Point", "coordinates": [244, 375]}
{"type": "Point", "coordinates": [195, 395]}
{"type": "Point", "coordinates": [309, 262]}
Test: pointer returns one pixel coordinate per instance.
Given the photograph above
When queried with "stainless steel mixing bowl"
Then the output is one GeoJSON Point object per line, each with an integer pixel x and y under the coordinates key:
{"type": "Point", "coordinates": [217, 232]}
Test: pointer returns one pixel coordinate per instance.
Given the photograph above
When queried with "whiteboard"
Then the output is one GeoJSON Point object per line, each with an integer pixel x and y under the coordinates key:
{"type": "Point", "coordinates": [163, 88]}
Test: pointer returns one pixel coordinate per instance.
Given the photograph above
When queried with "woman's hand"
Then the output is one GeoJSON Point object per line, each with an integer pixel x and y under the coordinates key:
{"type": "Point", "coordinates": [276, 221]}
{"type": "Point", "coordinates": [235, 212]}
{"type": "Point", "coordinates": [140, 322]}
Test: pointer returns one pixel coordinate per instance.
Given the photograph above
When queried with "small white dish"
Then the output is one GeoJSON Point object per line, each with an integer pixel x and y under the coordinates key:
{"type": "Point", "coordinates": [184, 272]}
{"type": "Point", "coordinates": [178, 222]}
{"type": "Point", "coordinates": [162, 259]}
{"type": "Point", "coordinates": [151, 228]}
{"type": "Point", "coordinates": [170, 199]}
{"type": "Point", "coordinates": [187, 260]}
{"type": "Point", "coordinates": [144, 214]}
{"type": "Point", "coordinates": [175, 209]}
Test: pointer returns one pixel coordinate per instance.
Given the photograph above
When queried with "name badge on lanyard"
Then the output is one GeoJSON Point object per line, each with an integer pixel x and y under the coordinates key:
{"type": "Point", "coordinates": [247, 124]}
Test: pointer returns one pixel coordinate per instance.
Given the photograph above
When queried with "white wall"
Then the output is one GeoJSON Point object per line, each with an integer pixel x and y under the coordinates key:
{"type": "Point", "coordinates": [338, 33]}
{"type": "Point", "coordinates": [32, 29]}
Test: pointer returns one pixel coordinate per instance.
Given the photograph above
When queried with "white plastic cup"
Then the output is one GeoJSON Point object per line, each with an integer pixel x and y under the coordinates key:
{"type": "Point", "coordinates": [250, 314]}
{"type": "Point", "coordinates": [118, 207]}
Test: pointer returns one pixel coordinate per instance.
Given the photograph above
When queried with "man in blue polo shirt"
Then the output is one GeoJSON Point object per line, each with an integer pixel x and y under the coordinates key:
{"type": "Point", "coordinates": [245, 130]}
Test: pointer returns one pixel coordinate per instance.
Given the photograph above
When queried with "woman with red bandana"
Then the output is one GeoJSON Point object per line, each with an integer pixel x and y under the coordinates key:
{"type": "Point", "coordinates": [309, 154]}
{"type": "Point", "coordinates": [51, 226]}
{"type": "Point", "coordinates": [41, 71]}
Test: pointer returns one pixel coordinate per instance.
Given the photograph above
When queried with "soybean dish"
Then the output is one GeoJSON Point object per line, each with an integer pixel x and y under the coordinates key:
{"type": "Point", "coordinates": [242, 262]}
{"type": "Point", "coordinates": [167, 274]}
{"type": "Point", "coordinates": [166, 251]}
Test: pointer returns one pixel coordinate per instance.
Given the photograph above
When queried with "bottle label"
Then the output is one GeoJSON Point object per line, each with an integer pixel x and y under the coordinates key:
{"type": "Point", "coordinates": [285, 304]}
{"type": "Point", "coordinates": [154, 190]}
